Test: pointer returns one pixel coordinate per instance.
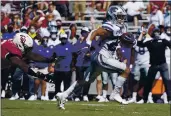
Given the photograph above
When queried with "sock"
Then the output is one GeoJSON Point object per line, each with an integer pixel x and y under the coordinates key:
{"type": "Point", "coordinates": [119, 83]}
{"type": "Point", "coordinates": [71, 88]}
{"type": "Point", "coordinates": [134, 95]}
{"type": "Point", "coordinates": [104, 93]}
{"type": "Point", "coordinates": [150, 96]}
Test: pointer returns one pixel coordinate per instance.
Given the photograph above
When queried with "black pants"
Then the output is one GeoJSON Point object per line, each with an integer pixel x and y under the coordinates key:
{"type": "Point", "coordinates": [4, 77]}
{"type": "Point", "coordinates": [163, 69]}
{"type": "Point", "coordinates": [80, 76]}
{"type": "Point", "coordinates": [60, 76]}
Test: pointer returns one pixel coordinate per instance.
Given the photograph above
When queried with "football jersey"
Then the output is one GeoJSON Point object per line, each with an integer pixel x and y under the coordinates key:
{"type": "Point", "coordinates": [142, 55]}
{"type": "Point", "coordinates": [9, 48]}
{"type": "Point", "coordinates": [111, 42]}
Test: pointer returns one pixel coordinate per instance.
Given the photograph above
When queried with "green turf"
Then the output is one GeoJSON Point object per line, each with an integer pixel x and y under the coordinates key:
{"type": "Point", "coordinates": [48, 108]}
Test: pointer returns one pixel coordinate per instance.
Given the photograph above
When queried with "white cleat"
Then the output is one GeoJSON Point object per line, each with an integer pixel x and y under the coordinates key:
{"type": "Point", "coordinates": [46, 98]}
{"type": "Point", "coordinates": [14, 97]}
{"type": "Point", "coordinates": [140, 102]}
{"type": "Point", "coordinates": [98, 97]}
{"type": "Point", "coordinates": [61, 100]}
{"type": "Point", "coordinates": [31, 98]}
{"type": "Point", "coordinates": [77, 99]}
{"type": "Point", "coordinates": [54, 99]}
{"type": "Point", "coordinates": [132, 100]}
{"type": "Point", "coordinates": [150, 100]}
{"type": "Point", "coordinates": [22, 98]}
{"type": "Point", "coordinates": [85, 98]}
{"type": "Point", "coordinates": [3, 94]}
{"type": "Point", "coordinates": [164, 97]}
{"type": "Point", "coordinates": [119, 99]}
{"type": "Point", "coordinates": [103, 99]}
{"type": "Point", "coordinates": [124, 102]}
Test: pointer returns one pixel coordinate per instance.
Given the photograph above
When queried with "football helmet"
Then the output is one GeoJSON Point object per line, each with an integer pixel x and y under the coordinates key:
{"type": "Point", "coordinates": [23, 41]}
{"type": "Point", "coordinates": [129, 39]}
{"type": "Point", "coordinates": [116, 14]}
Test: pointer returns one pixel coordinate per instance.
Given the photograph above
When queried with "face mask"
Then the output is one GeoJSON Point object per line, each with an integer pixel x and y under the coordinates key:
{"type": "Point", "coordinates": [84, 34]}
{"type": "Point", "coordinates": [156, 35]}
{"type": "Point", "coordinates": [32, 30]}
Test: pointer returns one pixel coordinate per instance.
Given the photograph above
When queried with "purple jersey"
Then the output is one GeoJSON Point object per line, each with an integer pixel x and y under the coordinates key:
{"type": "Point", "coordinates": [43, 51]}
{"type": "Point", "coordinates": [64, 50]}
{"type": "Point", "coordinates": [82, 49]}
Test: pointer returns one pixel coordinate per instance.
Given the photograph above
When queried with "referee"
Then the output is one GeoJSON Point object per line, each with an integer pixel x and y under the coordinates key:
{"type": "Point", "coordinates": [156, 47]}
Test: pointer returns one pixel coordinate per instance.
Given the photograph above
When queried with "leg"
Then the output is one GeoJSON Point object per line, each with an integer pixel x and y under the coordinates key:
{"type": "Point", "coordinates": [99, 86]}
{"type": "Point", "coordinates": [105, 77]}
{"type": "Point", "coordinates": [16, 86]}
{"type": "Point", "coordinates": [149, 81]}
{"type": "Point", "coordinates": [166, 79]}
{"type": "Point", "coordinates": [4, 79]}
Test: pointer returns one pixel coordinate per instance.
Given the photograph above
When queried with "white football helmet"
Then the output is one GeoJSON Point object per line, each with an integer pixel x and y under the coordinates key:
{"type": "Point", "coordinates": [117, 15]}
{"type": "Point", "coordinates": [23, 41]}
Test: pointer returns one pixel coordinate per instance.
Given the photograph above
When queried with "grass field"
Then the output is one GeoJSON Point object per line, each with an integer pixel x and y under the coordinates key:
{"type": "Point", "coordinates": [48, 108]}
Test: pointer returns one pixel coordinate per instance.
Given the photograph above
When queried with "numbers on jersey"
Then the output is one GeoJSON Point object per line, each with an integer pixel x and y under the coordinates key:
{"type": "Point", "coordinates": [22, 38]}
{"type": "Point", "coordinates": [141, 50]}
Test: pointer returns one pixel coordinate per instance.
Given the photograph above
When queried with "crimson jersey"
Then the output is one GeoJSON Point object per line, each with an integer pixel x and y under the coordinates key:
{"type": "Point", "coordinates": [9, 48]}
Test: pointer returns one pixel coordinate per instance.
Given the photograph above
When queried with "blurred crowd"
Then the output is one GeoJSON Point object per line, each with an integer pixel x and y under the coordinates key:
{"type": "Point", "coordinates": [43, 21]}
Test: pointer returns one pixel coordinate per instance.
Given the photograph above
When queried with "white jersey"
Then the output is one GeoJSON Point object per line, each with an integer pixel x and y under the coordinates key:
{"type": "Point", "coordinates": [110, 44]}
{"type": "Point", "coordinates": [142, 55]}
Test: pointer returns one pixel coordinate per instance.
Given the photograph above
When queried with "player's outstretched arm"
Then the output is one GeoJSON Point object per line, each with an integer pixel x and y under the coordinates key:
{"type": "Point", "coordinates": [38, 58]}
{"type": "Point", "coordinates": [15, 60]}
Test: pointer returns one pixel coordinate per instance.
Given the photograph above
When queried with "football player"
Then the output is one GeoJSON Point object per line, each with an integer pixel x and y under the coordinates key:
{"type": "Point", "coordinates": [106, 58]}
{"type": "Point", "coordinates": [13, 51]}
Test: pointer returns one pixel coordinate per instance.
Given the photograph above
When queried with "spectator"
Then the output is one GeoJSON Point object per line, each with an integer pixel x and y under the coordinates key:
{"type": "Point", "coordinates": [155, 46]}
{"type": "Point", "coordinates": [53, 11]}
{"type": "Point", "coordinates": [62, 68]}
{"type": "Point", "coordinates": [53, 40]}
{"type": "Point", "coordinates": [99, 7]}
{"type": "Point", "coordinates": [160, 4]}
{"type": "Point", "coordinates": [79, 7]}
{"type": "Point", "coordinates": [82, 63]}
{"type": "Point", "coordinates": [4, 19]}
{"type": "Point", "coordinates": [17, 22]}
{"type": "Point", "coordinates": [156, 16]}
{"type": "Point", "coordinates": [27, 20]}
{"type": "Point", "coordinates": [134, 9]}
{"type": "Point", "coordinates": [10, 33]}
{"type": "Point", "coordinates": [167, 15]}
{"type": "Point", "coordinates": [72, 37]}
{"type": "Point", "coordinates": [61, 6]}
{"type": "Point", "coordinates": [6, 5]}
{"type": "Point", "coordinates": [33, 12]}
{"type": "Point", "coordinates": [32, 31]}
{"type": "Point", "coordinates": [42, 6]}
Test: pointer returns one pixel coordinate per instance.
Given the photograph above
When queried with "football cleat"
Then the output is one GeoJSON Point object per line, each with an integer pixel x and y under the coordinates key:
{"type": "Point", "coordinates": [61, 100]}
